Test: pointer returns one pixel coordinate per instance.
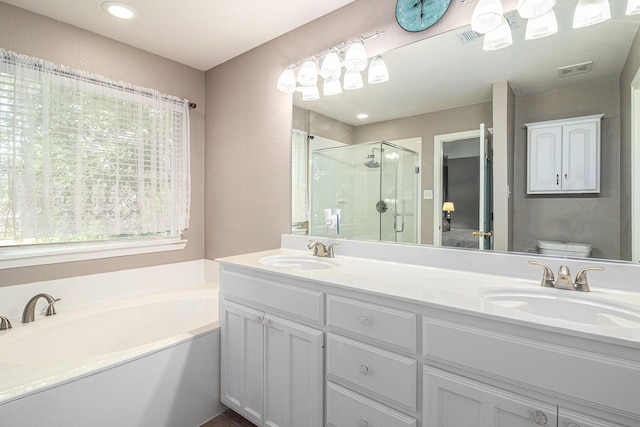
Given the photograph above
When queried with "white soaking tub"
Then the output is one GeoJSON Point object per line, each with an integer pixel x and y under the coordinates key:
{"type": "Point", "coordinates": [149, 359]}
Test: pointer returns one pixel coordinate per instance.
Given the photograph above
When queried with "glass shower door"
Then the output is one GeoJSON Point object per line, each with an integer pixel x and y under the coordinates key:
{"type": "Point", "coordinates": [399, 193]}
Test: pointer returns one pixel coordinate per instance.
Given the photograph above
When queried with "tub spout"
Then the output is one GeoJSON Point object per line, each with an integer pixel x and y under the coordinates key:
{"type": "Point", "coordinates": [28, 314]}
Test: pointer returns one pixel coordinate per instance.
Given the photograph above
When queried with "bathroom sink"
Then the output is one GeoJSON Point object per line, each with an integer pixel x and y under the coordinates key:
{"type": "Point", "coordinates": [567, 305]}
{"type": "Point", "coordinates": [299, 262]}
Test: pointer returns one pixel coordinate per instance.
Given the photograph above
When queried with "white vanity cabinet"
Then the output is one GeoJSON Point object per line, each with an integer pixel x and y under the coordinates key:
{"type": "Point", "coordinates": [271, 367]}
{"type": "Point", "coordinates": [563, 156]}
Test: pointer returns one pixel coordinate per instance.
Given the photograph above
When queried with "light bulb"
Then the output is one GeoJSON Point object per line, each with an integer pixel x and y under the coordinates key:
{"type": "Point", "coordinates": [542, 26]}
{"type": "Point", "coordinates": [287, 81]}
{"type": "Point", "coordinates": [378, 72]}
{"type": "Point", "coordinates": [356, 59]}
{"type": "Point", "coordinates": [331, 68]}
{"type": "Point", "coordinates": [498, 38]}
{"type": "Point", "coordinates": [310, 93]}
{"type": "Point", "coordinates": [633, 7]}
{"type": "Point", "coordinates": [308, 74]}
{"type": "Point", "coordinates": [352, 80]}
{"type": "Point", "coordinates": [591, 12]}
{"type": "Point", "coordinates": [331, 87]}
{"type": "Point", "coordinates": [531, 9]}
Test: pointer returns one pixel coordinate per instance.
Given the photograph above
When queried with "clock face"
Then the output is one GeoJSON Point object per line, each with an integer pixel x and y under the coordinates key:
{"type": "Point", "coordinates": [418, 15]}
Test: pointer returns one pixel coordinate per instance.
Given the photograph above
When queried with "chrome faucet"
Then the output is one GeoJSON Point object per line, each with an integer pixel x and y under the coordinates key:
{"type": "Point", "coordinates": [564, 277]}
{"type": "Point", "coordinates": [319, 249]}
{"type": "Point", "coordinates": [28, 314]}
{"type": "Point", "coordinates": [4, 323]}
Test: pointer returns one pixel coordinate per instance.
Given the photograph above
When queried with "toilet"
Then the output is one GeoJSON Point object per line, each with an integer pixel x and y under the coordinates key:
{"type": "Point", "coordinates": [568, 249]}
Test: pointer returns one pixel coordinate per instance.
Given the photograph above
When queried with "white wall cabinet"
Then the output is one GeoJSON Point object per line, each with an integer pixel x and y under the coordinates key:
{"type": "Point", "coordinates": [563, 156]}
{"type": "Point", "coordinates": [272, 368]}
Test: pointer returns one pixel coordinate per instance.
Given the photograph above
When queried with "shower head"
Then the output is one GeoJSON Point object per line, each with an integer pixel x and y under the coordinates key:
{"type": "Point", "coordinates": [371, 162]}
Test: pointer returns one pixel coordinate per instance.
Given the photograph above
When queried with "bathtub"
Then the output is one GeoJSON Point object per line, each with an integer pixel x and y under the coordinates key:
{"type": "Point", "coordinates": [149, 359]}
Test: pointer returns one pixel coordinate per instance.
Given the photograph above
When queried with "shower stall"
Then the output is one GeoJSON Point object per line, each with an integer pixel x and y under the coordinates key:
{"type": "Point", "coordinates": [365, 191]}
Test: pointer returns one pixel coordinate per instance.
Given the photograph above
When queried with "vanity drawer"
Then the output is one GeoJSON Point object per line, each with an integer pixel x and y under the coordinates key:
{"type": "Point", "coordinates": [347, 408]}
{"type": "Point", "coordinates": [281, 297]}
{"type": "Point", "coordinates": [386, 374]}
{"type": "Point", "coordinates": [387, 325]}
{"type": "Point", "coordinates": [518, 360]}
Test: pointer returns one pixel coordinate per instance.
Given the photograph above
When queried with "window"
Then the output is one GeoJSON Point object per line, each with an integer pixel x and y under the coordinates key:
{"type": "Point", "coordinates": [85, 159]}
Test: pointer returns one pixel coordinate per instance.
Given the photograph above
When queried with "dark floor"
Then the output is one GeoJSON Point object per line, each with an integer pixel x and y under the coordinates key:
{"type": "Point", "coordinates": [228, 419]}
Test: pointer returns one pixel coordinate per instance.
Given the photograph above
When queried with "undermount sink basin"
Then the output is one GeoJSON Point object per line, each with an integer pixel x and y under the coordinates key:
{"type": "Point", "coordinates": [299, 262]}
{"type": "Point", "coordinates": [567, 305]}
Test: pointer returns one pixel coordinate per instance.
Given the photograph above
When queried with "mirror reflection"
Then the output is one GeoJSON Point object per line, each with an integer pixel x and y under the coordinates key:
{"type": "Point", "coordinates": [456, 105]}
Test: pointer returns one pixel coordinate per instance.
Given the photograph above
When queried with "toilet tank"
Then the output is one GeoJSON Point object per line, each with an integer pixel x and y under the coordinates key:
{"type": "Point", "coordinates": [571, 249]}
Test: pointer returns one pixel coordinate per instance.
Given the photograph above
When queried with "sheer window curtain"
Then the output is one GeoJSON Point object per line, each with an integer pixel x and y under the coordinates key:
{"type": "Point", "coordinates": [83, 158]}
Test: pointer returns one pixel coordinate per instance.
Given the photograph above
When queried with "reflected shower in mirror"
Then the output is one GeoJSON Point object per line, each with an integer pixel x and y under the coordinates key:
{"type": "Point", "coordinates": [448, 84]}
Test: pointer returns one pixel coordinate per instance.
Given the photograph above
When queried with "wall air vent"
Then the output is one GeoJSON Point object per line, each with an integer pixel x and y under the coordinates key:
{"type": "Point", "coordinates": [574, 69]}
{"type": "Point", "coordinates": [467, 36]}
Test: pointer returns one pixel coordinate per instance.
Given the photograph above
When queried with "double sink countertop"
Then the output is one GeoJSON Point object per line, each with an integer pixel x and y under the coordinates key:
{"type": "Point", "coordinates": [604, 314]}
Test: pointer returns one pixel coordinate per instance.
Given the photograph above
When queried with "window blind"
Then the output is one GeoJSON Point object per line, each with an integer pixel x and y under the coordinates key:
{"type": "Point", "coordinates": [84, 158]}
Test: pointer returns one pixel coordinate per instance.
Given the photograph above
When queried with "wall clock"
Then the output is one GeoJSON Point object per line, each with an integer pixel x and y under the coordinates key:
{"type": "Point", "coordinates": [418, 15]}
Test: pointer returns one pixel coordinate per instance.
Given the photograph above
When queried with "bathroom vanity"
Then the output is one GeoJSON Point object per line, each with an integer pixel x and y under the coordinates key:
{"type": "Point", "coordinates": [353, 341]}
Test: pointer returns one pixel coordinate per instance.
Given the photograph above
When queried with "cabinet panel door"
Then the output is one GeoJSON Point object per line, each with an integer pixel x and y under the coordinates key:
{"type": "Point", "coordinates": [242, 367]}
{"type": "Point", "coordinates": [580, 157]}
{"type": "Point", "coordinates": [544, 159]}
{"type": "Point", "coordinates": [454, 401]}
{"type": "Point", "coordinates": [573, 419]}
{"type": "Point", "coordinates": [293, 374]}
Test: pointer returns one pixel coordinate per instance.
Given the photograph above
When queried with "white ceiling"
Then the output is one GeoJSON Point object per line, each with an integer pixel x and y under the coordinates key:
{"type": "Point", "coordinates": [198, 33]}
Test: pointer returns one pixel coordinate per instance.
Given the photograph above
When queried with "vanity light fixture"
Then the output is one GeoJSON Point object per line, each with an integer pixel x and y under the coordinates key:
{"type": "Point", "coordinates": [591, 12]}
{"type": "Point", "coordinates": [378, 72]}
{"type": "Point", "coordinates": [355, 61]}
{"type": "Point", "coordinates": [499, 38]}
{"type": "Point", "coordinates": [541, 26]}
{"type": "Point", "coordinates": [119, 10]}
{"type": "Point", "coordinates": [487, 16]}
{"type": "Point", "coordinates": [531, 9]}
{"type": "Point", "coordinates": [633, 7]}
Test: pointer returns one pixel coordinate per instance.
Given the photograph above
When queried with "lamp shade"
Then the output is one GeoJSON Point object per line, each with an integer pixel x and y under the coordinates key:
{"type": "Point", "coordinates": [542, 26]}
{"type": "Point", "coordinates": [378, 72]}
{"type": "Point", "coordinates": [331, 87]}
{"type": "Point", "coordinates": [310, 93]}
{"type": "Point", "coordinates": [352, 80]}
{"type": "Point", "coordinates": [448, 207]}
{"type": "Point", "coordinates": [356, 59]}
{"type": "Point", "coordinates": [531, 9]}
{"type": "Point", "coordinates": [287, 81]}
{"type": "Point", "coordinates": [331, 68]}
{"type": "Point", "coordinates": [308, 74]}
{"type": "Point", "coordinates": [633, 7]}
{"type": "Point", "coordinates": [591, 12]}
{"type": "Point", "coordinates": [498, 38]}
{"type": "Point", "coordinates": [487, 16]}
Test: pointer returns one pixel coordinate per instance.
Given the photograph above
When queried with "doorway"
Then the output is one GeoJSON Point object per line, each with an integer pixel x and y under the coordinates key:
{"type": "Point", "coordinates": [462, 189]}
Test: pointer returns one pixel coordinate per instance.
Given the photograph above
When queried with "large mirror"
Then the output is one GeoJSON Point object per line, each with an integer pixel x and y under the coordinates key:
{"type": "Point", "coordinates": [446, 91]}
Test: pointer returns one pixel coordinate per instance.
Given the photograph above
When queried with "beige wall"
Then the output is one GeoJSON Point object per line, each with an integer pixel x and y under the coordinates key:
{"type": "Point", "coordinates": [35, 35]}
{"type": "Point", "coordinates": [248, 127]}
{"type": "Point", "coordinates": [577, 218]}
{"type": "Point", "coordinates": [628, 73]}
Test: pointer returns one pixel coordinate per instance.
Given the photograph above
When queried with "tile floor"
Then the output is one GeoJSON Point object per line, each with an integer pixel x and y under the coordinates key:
{"type": "Point", "coordinates": [228, 419]}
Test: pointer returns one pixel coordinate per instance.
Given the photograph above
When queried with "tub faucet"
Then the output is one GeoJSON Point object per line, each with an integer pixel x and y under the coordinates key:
{"type": "Point", "coordinates": [28, 314]}
{"type": "Point", "coordinates": [4, 323]}
{"type": "Point", "coordinates": [319, 249]}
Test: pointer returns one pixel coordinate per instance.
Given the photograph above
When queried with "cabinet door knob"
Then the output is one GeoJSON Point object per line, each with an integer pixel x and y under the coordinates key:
{"type": "Point", "coordinates": [540, 418]}
{"type": "Point", "coordinates": [364, 369]}
{"type": "Point", "coordinates": [364, 320]}
{"type": "Point", "coordinates": [363, 423]}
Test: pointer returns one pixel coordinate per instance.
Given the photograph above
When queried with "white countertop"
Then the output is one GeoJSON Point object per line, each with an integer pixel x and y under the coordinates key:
{"type": "Point", "coordinates": [452, 290]}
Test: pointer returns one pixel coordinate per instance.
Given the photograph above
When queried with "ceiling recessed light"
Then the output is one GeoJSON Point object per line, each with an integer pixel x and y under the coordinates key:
{"type": "Point", "coordinates": [362, 116]}
{"type": "Point", "coordinates": [119, 10]}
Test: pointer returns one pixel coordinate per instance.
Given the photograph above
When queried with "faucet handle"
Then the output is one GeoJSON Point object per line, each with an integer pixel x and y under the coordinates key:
{"type": "Point", "coordinates": [51, 310]}
{"type": "Point", "coordinates": [4, 323]}
{"type": "Point", "coordinates": [548, 280]}
{"type": "Point", "coordinates": [581, 283]}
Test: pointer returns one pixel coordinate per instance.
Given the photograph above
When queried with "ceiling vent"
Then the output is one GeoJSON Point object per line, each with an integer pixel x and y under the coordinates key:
{"type": "Point", "coordinates": [467, 36]}
{"type": "Point", "coordinates": [571, 70]}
